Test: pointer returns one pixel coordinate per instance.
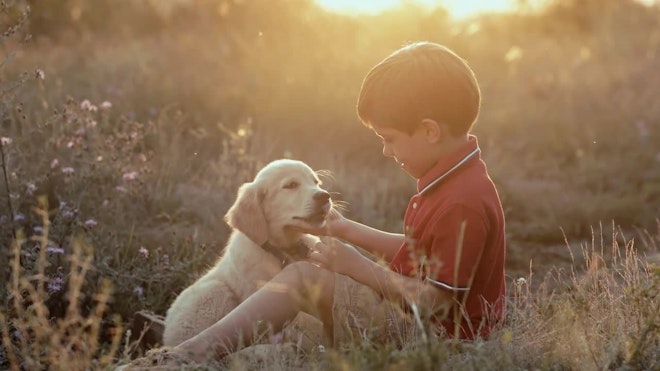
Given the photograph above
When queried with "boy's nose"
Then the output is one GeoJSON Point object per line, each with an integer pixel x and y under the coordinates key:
{"type": "Point", "coordinates": [386, 151]}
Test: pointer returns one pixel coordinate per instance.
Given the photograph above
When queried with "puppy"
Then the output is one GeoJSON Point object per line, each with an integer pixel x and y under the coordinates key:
{"type": "Point", "coordinates": [284, 194]}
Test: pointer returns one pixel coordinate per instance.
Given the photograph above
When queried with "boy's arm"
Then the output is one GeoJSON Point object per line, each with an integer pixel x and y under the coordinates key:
{"type": "Point", "coordinates": [373, 240]}
{"type": "Point", "coordinates": [345, 259]}
{"type": "Point", "coordinates": [381, 243]}
{"type": "Point", "coordinates": [403, 289]}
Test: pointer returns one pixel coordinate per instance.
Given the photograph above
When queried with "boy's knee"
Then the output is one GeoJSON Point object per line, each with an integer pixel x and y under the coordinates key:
{"type": "Point", "coordinates": [315, 285]}
{"type": "Point", "coordinates": [307, 273]}
{"type": "Point", "coordinates": [306, 270]}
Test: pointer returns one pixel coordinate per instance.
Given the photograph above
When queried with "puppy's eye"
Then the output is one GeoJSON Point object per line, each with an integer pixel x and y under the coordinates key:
{"type": "Point", "coordinates": [291, 185]}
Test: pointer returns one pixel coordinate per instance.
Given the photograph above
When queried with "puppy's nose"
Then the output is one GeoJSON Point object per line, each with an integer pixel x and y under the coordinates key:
{"type": "Point", "coordinates": [321, 197]}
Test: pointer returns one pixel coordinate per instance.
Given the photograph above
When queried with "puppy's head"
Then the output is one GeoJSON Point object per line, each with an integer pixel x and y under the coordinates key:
{"type": "Point", "coordinates": [284, 194]}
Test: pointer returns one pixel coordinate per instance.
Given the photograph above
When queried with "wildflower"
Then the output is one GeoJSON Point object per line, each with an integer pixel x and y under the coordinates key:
{"type": "Point", "coordinates": [521, 281]}
{"type": "Point", "coordinates": [70, 144]}
{"type": "Point", "coordinates": [68, 214]}
{"type": "Point", "coordinates": [18, 334]}
{"type": "Point", "coordinates": [642, 129]}
{"type": "Point", "coordinates": [90, 223]}
{"type": "Point", "coordinates": [320, 348]}
{"type": "Point", "coordinates": [166, 259]}
{"type": "Point", "coordinates": [139, 291]}
{"type": "Point", "coordinates": [38, 229]}
{"type": "Point", "coordinates": [30, 188]}
{"type": "Point", "coordinates": [5, 141]}
{"type": "Point", "coordinates": [39, 74]}
{"type": "Point", "coordinates": [80, 132]}
{"type": "Point", "coordinates": [88, 106]}
{"type": "Point", "coordinates": [143, 250]}
{"type": "Point", "coordinates": [54, 250]}
{"type": "Point", "coordinates": [68, 170]}
{"type": "Point", "coordinates": [276, 338]}
{"type": "Point", "coordinates": [55, 163]}
{"type": "Point", "coordinates": [106, 105]}
{"type": "Point", "coordinates": [19, 217]}
{"type": "Point", "coordinates": [130, 176]}
{"type": "Point", "coordinates": [55, 285]}
{"type": "Point", "coordinates": [121, 189]}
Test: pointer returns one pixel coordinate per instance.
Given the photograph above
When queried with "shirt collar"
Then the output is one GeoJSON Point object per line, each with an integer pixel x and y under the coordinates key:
{"type": "Point", "coordinates": [447, 165]}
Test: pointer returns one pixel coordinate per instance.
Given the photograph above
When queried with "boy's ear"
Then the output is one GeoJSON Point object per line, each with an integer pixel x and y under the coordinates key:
{"type": "Point", "coordinates": [434, 130]}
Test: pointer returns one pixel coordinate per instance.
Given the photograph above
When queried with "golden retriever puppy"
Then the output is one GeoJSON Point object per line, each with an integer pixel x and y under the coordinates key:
{"type": "Point", "coordinates": [283, 195]}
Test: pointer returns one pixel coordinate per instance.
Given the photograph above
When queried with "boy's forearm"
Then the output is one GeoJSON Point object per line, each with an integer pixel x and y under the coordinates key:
{"type": "Point", "coordinates": [373, 240]}
{"type": "Point", "coordinates": [400, 289]}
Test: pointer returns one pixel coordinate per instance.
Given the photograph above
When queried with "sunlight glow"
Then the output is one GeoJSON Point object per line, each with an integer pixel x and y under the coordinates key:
{"type": "Point", "coordinates": [458, 8]}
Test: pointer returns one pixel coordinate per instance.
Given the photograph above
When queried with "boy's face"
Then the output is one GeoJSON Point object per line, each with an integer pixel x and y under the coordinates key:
{"type": "Point", "coordinates": [414, 152]}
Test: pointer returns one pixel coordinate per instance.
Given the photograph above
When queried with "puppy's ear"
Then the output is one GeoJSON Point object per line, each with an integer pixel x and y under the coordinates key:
{"type": "Point", "coordinates": [247, 214]}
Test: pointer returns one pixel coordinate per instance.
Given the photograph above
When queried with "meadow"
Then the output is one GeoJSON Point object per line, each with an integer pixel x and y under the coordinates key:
{"type": "Point", "coordinates": [126, 128]}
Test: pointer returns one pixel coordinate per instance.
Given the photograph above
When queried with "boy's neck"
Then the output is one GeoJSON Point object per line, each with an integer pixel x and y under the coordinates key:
{"type": "Point", "coordinates": [453, 144]}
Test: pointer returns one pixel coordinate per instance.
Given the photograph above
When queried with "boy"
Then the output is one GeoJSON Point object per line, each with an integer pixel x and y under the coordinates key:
{"type": "Point", "coordinates": [422, 101]}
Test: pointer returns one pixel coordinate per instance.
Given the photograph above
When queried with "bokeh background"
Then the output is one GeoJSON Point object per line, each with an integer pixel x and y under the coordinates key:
{"type": "Point", "coordinates": [139, 119]}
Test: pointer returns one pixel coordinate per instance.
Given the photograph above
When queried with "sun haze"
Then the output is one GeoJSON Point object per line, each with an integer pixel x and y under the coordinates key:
{"type": "Point", "coordinates": [458, 8]}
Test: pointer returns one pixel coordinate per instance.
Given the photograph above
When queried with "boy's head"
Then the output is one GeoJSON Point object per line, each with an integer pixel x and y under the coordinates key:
{"type": "Point", "coordinates": [420, 81]}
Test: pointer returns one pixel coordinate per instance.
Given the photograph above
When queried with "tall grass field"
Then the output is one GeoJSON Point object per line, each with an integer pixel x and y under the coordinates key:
{"type": "Point", "coordinates": [127, 126]}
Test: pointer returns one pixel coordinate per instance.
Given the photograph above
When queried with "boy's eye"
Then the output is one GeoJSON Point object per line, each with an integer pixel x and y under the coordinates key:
{"type": "Point", "coordinates": [291, 185]}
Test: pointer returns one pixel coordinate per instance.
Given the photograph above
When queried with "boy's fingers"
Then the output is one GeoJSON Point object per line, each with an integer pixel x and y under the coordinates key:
{"type": "Point", "coordinates": [317, 257]}
{"type": "Point", "coordinates": [327, 240]}
{"type": "Point", "coordinates": [320, 246]}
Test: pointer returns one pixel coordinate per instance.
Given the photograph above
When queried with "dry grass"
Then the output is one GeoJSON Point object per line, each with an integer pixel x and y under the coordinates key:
{"type": "Point", "coordinates": [601, 315]}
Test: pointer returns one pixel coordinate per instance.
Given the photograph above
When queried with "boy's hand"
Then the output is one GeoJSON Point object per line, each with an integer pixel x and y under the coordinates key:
{"type": "Point", "coordinates": [336, 256]}
{"type": "Point", "coordinates": [331, 226]}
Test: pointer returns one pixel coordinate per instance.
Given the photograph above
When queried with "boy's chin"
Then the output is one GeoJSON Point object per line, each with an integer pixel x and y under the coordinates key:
{"type": "Point", "coordinates": [409, 171]}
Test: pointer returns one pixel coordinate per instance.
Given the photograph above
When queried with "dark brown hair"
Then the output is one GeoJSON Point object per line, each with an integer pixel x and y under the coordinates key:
{"type": "Point", "coordinates": [421, 80]}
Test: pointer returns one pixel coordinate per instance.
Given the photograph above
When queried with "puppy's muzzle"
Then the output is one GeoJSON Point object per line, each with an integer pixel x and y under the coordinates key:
{"type": "Point", "coordinates": [321, 198]}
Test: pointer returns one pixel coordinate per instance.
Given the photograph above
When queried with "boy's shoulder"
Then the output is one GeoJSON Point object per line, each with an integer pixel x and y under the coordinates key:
{"type": "Point", "coordinates": [471, 188]}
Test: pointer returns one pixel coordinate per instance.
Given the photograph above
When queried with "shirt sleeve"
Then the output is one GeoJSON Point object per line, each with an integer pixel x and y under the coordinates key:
{"type": "Point", "coordinates": [457, 240]}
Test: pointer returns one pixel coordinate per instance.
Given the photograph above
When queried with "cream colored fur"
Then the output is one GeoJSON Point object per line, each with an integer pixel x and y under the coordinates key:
{"type": "Point", "coordinates": [284, 194]}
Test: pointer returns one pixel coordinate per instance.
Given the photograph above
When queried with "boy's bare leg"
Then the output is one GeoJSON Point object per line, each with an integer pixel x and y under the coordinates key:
{"type": "Point", "coordinates": [276, 303]}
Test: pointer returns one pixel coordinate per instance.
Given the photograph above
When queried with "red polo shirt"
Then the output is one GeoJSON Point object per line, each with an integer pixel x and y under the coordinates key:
{"type": "Point", "coordinates": [455, 240]}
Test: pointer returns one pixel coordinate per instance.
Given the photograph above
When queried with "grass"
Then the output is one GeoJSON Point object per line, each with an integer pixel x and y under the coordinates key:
{"type": "Point", "coordinates": [601, 312]}
{"type": "Point", "coordinates": [123, 148]}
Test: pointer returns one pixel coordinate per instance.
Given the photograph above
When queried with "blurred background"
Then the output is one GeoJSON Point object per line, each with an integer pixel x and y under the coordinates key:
{"type": "Point", "coordinates": [139, 119]}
